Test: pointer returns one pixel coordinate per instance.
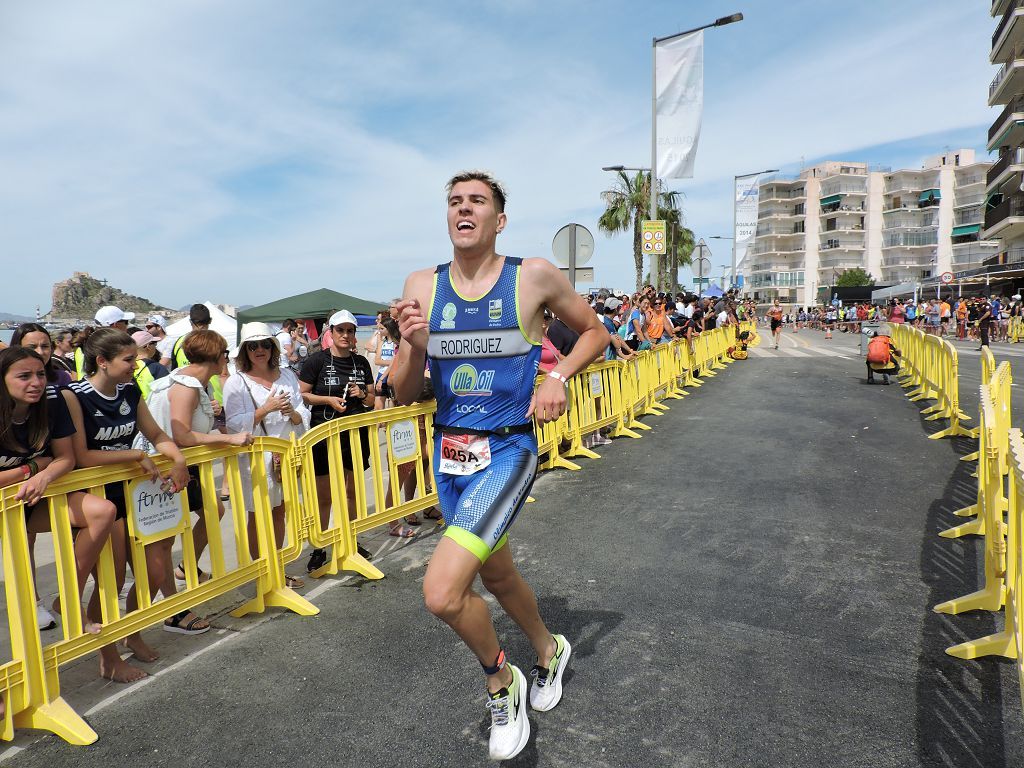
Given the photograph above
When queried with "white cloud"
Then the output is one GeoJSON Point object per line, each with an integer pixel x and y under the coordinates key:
{"type": "Point", "coordinates": [242, 151]}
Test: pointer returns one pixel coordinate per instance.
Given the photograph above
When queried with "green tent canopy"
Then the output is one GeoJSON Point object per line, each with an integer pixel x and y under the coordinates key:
{"type": "Point", "coordinates": [315, 305]}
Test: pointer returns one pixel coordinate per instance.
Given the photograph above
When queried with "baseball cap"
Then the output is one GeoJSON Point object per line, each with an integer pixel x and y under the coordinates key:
{"type": "Point", "coordinates": [157, 320]}
{"type": "Point", "coordinates": [341, 317]}
{"type": "Point", "coordinates": [612, 303]}
{"type": "Point", "coordinates": [109, 315]}
{"type": "Point", "coordinates": [142, 338]}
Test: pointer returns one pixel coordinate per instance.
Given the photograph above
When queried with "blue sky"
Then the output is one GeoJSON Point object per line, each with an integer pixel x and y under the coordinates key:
{"type": "Point", "coordinates": [241, 151]}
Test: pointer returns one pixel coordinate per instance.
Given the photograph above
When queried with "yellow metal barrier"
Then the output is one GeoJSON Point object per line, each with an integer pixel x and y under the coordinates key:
{"type": "Point", "coordinates": [32, 678]}
{"type": "Point", "coordinates": [608, 395]}
{"type": "Point", "coordinates": [929, 368]}
{"type": "Point", "coordinates": [1016, 329]}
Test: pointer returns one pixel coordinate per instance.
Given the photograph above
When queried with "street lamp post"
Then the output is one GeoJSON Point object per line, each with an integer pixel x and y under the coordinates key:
{"type": "Point", "coordinates": [735, 180]}
{"type": "Point", "coordinates": [720, 22]}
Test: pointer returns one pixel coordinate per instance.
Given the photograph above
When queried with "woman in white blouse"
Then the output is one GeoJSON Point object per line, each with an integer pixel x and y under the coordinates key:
{"type": "Point", "coordinates": [264, 400]}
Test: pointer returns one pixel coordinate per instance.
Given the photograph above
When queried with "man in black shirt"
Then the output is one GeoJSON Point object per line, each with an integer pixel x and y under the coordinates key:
{"type": "Point", "coordinates": [562, 336]}
{"type": "Point", "coordinates": [334, 383]}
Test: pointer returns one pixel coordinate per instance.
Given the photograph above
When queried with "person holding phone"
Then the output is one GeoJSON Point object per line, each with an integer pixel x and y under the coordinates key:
{"type": "Point", "coordinates": [337, 382]}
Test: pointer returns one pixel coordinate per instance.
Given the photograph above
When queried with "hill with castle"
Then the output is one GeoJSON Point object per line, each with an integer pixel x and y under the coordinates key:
{"type": "Point", "coordinates": [80, 296]}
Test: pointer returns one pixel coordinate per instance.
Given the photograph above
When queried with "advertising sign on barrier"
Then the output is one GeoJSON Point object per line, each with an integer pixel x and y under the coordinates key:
{"type": "Point", "coordinates": [595, 384]}
{"type": "Point", "coordinates": [154, 512]}
{"type": "Point", "coordinates": [402, 440]}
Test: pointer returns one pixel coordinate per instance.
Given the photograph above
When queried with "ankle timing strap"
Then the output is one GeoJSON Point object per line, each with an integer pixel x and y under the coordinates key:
{"type": "Point", "coordinates": [499, 664]}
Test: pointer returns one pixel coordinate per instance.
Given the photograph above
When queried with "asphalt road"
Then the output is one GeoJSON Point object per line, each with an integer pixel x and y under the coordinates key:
{"type": "Point", "coordinates": [750, 584]}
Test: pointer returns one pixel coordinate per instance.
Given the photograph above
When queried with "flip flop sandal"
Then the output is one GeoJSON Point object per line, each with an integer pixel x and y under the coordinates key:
{"type": "Point", "coordinates": [179, 573]}
{"type": "Point", "coordinates": [413, 520]}
{"type": "Point", "coordinates": [402, 532]}
{"type": "Point", "coordinates": [433, 514]}
{"type": "Point", "coordinates": [293, 582]}
{"type": "Point", "coordinates": [174, 624]}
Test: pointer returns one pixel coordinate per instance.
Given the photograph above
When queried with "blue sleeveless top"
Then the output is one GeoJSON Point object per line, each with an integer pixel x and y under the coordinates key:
{"type": "Point", "coordinates": [482, 363]}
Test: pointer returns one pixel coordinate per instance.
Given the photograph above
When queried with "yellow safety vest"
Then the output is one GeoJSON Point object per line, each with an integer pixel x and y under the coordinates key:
{"type": "Point", "coordinates": [80, 363]}
{"type": "Point", "coordinates": [143, 378]}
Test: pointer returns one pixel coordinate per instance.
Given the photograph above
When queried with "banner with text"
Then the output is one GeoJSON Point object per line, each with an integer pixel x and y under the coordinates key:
{"type": "Point", "coordinates": [746, 218]}
{"type": "Point", "coordinates": [679, 85]}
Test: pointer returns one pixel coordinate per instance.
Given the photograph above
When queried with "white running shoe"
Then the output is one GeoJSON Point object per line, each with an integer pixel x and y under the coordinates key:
{"type": "Point", "coordinates": [546, 690]}
{"type": "Point", "coordinates": [510, 727]}
{"type": "Point", "coordinates": [44, 618]}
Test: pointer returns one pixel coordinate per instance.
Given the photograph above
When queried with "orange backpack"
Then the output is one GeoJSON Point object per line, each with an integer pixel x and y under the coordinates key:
{"type": "Point", "coordinates": [878, 350]}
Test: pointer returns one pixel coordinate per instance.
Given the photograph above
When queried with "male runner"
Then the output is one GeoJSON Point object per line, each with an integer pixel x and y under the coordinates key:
{"type": "Point", "coordinates": [477, 321]}
{"type": "Point", "coordinates": [775, 314]}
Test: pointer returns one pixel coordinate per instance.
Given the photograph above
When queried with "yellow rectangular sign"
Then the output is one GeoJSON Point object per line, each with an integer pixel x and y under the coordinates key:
{"type": "Point", "coordinates": [652, 237]}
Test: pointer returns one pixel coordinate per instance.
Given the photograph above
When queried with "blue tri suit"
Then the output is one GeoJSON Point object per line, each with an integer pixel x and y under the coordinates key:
{"type": "Point", "coordinates": [482, 365]}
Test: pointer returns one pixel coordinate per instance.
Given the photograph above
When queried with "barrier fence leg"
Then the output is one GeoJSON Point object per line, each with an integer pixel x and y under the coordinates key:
{"type": "Point", "coordinates": [44, 708]}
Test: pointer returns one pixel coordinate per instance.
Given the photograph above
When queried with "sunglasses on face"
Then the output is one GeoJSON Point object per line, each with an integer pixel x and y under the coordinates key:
{"type": "Point", "coordinates": [261, 344]}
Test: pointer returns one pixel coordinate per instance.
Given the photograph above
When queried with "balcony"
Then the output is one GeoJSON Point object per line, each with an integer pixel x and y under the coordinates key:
{"type": "Point", "coordinates": [909, 222]}
{"type": "Point", "coordinates": [783, 249]}
{"type": "Point", "coordinates": [962, 201]}
{"type": "Point", "coordinates": [841, 245]}
{"type": "Point", "coordinates": [973, 215]}
{"type": "Point", "coordinates": [779, 230]}
{"type": "Point", "coordinates": [926, 239]}
{"type": "Point", "coordinates": [998, 7]}
{"type": "Point", "coordinates": [775, 213]}
{"type": "Point", "coordinates": [1007, 32]}
{"type": "Point", "coordinates": [1011, 113]}
{"type": "Point", "coordinates": [966, 181]}
{"type": "Point", "coordinates": [841, 262]}
{"type": "Point", "coordinates": [1005, 219]}
{"type": "Point", "coordinates": [975, 253]}
{"type": "Point", "coordinates": [1006, 166]}
{"type": "Point", "coordinates": [923, 260]}
{"type": "Point", "coordinates": [1007, 82]}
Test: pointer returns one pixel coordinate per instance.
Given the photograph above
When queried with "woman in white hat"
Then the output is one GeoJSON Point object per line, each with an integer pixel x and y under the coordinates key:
{"type": "Point", "coordinates": [264, 400]}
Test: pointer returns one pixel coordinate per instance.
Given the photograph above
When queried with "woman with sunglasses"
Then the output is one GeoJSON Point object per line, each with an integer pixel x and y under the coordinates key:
{"type": "Point", "coordinates": [264, 399]}
{"type": "Point", "coordinates": [182, 404]}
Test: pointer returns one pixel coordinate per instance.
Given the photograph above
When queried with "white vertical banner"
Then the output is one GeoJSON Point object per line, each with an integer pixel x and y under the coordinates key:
{"type": "Point", "coordinates": [679, 85]}
{"type": "Point", "coordinates": [746, 217]}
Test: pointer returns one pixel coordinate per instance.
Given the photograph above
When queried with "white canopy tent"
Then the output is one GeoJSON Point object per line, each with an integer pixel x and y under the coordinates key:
{"type": "Point", "coordinates": [220, 321]}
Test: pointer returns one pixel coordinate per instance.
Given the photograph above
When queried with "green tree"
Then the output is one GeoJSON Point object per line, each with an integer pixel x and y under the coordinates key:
{"type": "Point", "coordinates": [854, 277]}
{"type": "Point", "coordinates": [628, 203]}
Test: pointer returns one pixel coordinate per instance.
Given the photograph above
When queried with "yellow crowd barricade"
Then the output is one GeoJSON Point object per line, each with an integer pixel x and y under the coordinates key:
{"type": "Point", "coordinates": [929, 368]}
{"type": "Point", "coordinates": [408, 449]}
{"type": "Point", "coordinates": [1016, 329]}
{"type": "Point", "coordinates": [397, 448]}
{"type": "Point", "coordinates": [1000, 571]}
{"type": "Point", "coordinates": [32, 685]}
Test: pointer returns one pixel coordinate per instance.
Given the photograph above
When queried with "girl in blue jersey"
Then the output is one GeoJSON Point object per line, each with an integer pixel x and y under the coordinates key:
{"type": "Point", "coordinates": [36, 449]}
{"type": "Point", "coordinates": [107, 411]}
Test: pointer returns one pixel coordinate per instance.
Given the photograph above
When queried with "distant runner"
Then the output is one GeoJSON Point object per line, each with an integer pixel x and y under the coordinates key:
{"type": "Point", "coordinates": [477, 321]}
{"type": "Point", "coordinates": [775, 315]}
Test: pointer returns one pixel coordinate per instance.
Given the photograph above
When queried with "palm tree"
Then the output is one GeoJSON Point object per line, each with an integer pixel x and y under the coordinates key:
{"type": "Point", "coordinates": [628, 203]}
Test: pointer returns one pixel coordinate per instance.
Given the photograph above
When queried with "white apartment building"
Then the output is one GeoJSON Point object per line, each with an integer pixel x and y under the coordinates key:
{"type": "Point", "coordinates": [1004, 211]}
{"type": "Point", "coordinates": [900, 226]}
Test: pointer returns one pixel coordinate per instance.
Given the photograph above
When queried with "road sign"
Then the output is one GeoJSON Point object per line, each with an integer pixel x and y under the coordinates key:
{"type": "Point", "coordinates": [946, 277]}
{"type": "Point", "coordinates": [573, 245]}
{"type": "Point", "coordinates": [652, 237]}
{"type": "Point", "coordinates": [701, 280]}
{"type": "Point", "coordinates": [583, 274]}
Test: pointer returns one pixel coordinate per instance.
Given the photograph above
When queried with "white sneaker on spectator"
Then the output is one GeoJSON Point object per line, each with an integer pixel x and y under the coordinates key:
{"type": "Point", "coordinates": [44, 618]}
{"type": "Point", "coordinates": [510, 727]}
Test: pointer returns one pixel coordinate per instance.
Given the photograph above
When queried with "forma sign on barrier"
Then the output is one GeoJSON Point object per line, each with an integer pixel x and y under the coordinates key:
{"type": "Point", "coordinates": [155, 513]}
{"type": "Point", "coordinates": [402, 440]}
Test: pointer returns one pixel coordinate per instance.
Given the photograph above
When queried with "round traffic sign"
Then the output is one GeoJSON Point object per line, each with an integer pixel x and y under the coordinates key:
{"type": "Point", "coordinates": [561, 245]}
{"type": "Point", "coordinates": [946, 277]}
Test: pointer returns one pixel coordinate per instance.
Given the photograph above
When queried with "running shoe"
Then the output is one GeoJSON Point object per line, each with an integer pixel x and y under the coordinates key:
{"type": "Point", "coordinates": [510, 727]}
{"type": "Point", "coordinates": [546, 690]}
{"type": "Point", "coordinates": [44, 618]}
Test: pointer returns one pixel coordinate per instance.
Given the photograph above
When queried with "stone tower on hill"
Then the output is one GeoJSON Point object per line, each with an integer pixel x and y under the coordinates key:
{"type": "Point", "coordinates": [83, 294]}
